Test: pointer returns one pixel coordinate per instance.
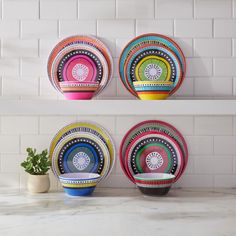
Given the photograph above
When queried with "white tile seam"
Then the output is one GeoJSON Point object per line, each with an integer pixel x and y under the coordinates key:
{"type": "Point", "coordinates": [155, 12]}
{"type": "Point", "coordinates": [233, 7]}
{"type": "Point", "coordinates": [77, 9]}
{"type": "Point", "coordinates": [174, 28]}
{"type": "Point", "coordinates": [193, 10]}
{"type": "Point", "coordinates": [58, 28]}
{"type": "Point", "coordinates": [39, 6]}
{"type": "Point", "coordinates": [97, 27]}
{"type": "Point", "coordinates": [2, 13]}
{"type": "Point", "coordinates": [213, 28]}
{"type": "Point", "coordinates": [116, 92]}
{"type": "Point", "coordinates": [20, 29]}
{"type": "Point", "coordinates": [116, 9]}
{"type": "Point", "coordinates": [38, 42]}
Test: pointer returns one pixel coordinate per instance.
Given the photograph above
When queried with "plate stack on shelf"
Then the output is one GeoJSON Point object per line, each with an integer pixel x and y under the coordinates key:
{"type": "Point", "coordinates": [80, 67]}
{"type": "Point", "coordinates": [153, 146]}
{"type": "Point", "coordinates": [82, 147]}
{"type": "Point", "coordinates": [152, 66]}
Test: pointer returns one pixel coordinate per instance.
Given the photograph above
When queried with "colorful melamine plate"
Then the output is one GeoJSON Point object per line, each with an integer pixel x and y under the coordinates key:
{"type": "Point", "coordinates": [88, 128]}
{"type": "Point", "coordinates": [152, 63]}
{"type": "Point", "coordinates": [153, 152]}
{"type": "Point", "coordinates": [145, 41]}
{"type": "Point", "coordinates": [81, 152]}
{"type": "Point", "coordinates": [89, 41]}
{"type": "Point", "coordinates": [149, 126]}
{"type": "Point", "coordinates": [81, 63]}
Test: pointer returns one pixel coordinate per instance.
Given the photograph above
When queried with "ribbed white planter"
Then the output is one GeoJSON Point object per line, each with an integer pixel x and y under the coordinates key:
{"type": "Point", "coordinates": [38, 183]}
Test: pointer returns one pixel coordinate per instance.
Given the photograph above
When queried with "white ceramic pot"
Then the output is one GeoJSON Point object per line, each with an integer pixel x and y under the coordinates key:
{"type": "Point", "coordinates": [38, 183]}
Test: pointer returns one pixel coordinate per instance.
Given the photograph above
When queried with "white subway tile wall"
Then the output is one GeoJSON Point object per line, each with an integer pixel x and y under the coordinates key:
{"type": "Point", "coordinates": [205, 30]}
{"type": "Point", "coordinates": [211, 142]}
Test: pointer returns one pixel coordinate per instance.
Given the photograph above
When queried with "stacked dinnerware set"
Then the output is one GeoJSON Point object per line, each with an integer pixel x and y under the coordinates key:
{"type": "Point", "coordinates": [153, 154]}
{"type": "Point", "coordinates": [152, 67]}
{"type": "Point", "coordinates": [82, 154]}
{"type": "Point", "coordinates": [80, 67]}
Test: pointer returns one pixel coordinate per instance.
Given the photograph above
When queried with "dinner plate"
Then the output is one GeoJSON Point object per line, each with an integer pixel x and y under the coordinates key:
{"type": "Point", "coordinates": [81, 63]}
{"type": "Point", "coordinates": [139, 61]}
{"type": "Point", "coordinates": [81, 152]}
{"type": "Point", "coordinates": [145, 40]}
{"type": "Point", "coordinates": [90, 128]}
{"type": "Point", "coordinates": [154, 152]}
{"type": "Point", "coordinates": [85, 40]}
{"type": "Point", "coordinates": [152, 125]}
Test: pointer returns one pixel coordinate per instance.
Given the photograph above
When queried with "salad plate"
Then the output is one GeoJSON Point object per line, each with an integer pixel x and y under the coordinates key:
{"type": "Point", "coordinates": [80, 63]}
{"type": "Point", "coordinates": [144, 41]}
{"type": "Point", "coordinates": [87, 128]}
{"type": "Point", "coordinates": [152, 63]}
{"type": "Point", "coordinates": [79, 153]}
{"type": "Point", "coordinates": [154, 152]}
{"type": "Point", "coordinates": [80, 58]}
{"type": "Point", "coordinates": [149, 126]}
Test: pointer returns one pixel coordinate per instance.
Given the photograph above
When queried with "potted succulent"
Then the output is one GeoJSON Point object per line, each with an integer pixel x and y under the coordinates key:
{"type": "Point", "coordinates": [37, 166]}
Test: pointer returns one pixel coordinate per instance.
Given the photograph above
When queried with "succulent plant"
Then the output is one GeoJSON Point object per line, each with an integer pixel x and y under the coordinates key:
{"type": "Point", "coordinates": [36, 164]}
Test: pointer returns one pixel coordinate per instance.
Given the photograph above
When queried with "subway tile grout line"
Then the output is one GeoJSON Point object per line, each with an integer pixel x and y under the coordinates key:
{"type": "Point", "coordinates": [155, 12]}
{"type": "Point", "coordinates": [233, 8]}
{"type": "Point", "coordinates": [77, 10]}
{"type": "Point", "coordinates": [194, 9]}
{"type": "Point", "coordinates": [20, 29]}
{"type": "Point", "coordinates": [58, 28]}
{"type": "Point", "coordinates": [97, 27]}
{"type": "Point", "coordinates": [116, 93]}
{"type": "Point", "coordinates": [116, 9]}
{"type": "Point", "coordinates": [213, 28]}
{"type": "Point", "coordinates": [2, 11]}
{"type": "Point", "coordinates": [38, 41]}
{"type": "Point", "coordinates": [39, 6]}
{"type": "Point", "coordinates": [174, 27]}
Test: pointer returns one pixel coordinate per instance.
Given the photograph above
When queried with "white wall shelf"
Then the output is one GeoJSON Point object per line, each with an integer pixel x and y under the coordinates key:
{"type": "Point", "coordinates": [118, 107]}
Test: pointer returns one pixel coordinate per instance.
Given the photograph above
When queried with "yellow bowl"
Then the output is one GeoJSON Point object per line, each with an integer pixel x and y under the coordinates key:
{"type": "Point", "coordinates": [87, 185]}
{"type": "Point", "coordinates": [152, 96]}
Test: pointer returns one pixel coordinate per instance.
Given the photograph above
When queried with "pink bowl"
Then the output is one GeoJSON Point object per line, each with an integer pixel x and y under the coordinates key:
{"type": "Point", "coordinates": [79, 95]}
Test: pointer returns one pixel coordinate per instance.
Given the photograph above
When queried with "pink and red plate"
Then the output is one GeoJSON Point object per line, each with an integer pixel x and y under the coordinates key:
{"type": "Point", "coordinates": [81, 59]}
{"type": "Point", "coordinates": [153, 146]}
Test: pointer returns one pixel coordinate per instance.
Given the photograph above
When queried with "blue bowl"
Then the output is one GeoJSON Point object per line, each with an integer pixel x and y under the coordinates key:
{"type": "Point", "coordinates": [79, 191]}
{"type": "Point", "coordinates": [153, 88]}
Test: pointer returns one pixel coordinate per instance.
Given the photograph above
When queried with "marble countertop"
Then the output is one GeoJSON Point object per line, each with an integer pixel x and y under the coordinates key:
{"type": "Point", "coordinates": [119, 212]}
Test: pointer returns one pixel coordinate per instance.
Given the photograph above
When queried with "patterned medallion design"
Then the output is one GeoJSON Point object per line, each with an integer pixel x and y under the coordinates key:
{"type": "Point", "coordinates": [81, 160]}
{"type": "Point", "coordinates": [153, 72]}
{"type": "Point", "coordinates": [154, 160]}
{"type": "Point", "coordinates": [80, 72]}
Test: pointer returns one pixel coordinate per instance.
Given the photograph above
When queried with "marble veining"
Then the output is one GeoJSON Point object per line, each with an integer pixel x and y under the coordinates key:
{"type": "Point", "coordinates": [123, 212]}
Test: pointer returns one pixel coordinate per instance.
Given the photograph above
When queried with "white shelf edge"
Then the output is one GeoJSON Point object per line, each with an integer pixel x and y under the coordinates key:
{"type": "Point", "coordinates": [118, 107]}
